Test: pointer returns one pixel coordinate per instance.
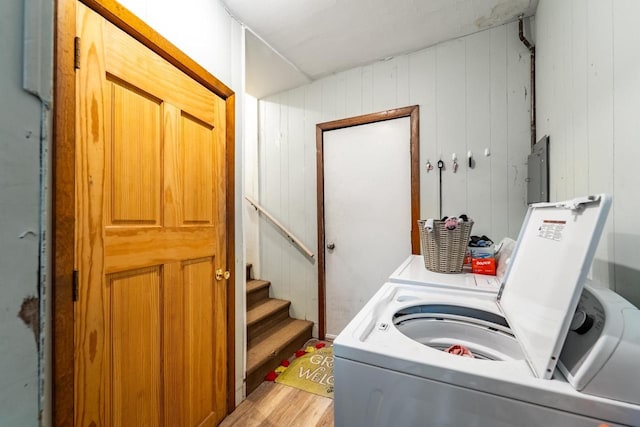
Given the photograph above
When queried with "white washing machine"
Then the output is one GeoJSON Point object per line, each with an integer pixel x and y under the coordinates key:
{"type": "Point", "coordinates": [413, 271]}
{"type": "Point", "coordinates": [548, 351]}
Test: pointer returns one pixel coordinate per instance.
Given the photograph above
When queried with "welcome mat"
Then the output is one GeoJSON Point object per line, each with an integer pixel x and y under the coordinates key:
{"type": "Point", "coordinates": [312, 372]}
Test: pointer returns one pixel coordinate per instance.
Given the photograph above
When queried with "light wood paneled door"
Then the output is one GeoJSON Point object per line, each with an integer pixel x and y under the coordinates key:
{"type": "Point", "coordinates": [150, 318]}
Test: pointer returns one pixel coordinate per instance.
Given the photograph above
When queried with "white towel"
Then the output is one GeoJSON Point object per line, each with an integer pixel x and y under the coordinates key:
{"type": "Point", "coordinates": [428, 225]}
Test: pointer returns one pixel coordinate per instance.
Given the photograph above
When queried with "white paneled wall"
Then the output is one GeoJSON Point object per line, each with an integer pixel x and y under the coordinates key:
{"type": "Point", "coordinates": [588, 70]}
{"type": "Point", "coordinates": [251, 184]}
{"type": "Point", "coordinates": [25, 279]}
{"type": "Point", "coordinates": [201, 28]}
{"type": "Point", "coordinates": [473, 94]}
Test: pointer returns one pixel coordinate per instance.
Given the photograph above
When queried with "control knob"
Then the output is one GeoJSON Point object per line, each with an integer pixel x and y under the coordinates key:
{"type": "Point", "coordinates": [581, 322]}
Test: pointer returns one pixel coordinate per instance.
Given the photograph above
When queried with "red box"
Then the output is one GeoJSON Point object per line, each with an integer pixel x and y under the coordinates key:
{"type": "Point", "coordinates": [483, 266]}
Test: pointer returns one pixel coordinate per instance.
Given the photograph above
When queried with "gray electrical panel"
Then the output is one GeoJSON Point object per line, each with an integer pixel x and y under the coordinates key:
{"type": "Point", "coordinates": [538, 172]}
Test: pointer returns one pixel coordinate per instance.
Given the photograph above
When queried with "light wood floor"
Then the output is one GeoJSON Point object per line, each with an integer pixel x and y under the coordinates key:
{"type": "Point", "coordinates": [277, 405]}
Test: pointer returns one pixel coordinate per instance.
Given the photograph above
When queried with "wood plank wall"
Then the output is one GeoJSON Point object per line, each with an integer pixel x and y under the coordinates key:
{"type": "Point", "coordinates": [588, 101]}
{"type": "Point", "coordinates": [473, 94]}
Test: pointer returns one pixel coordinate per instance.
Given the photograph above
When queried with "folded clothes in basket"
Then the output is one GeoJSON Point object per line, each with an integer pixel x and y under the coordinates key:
{"type": "Point", "coordinates": [450, 223]}
{"type": "Point", "coordinates": [428, 225]}
{"type": "Point", "coordinates": [443, 249]}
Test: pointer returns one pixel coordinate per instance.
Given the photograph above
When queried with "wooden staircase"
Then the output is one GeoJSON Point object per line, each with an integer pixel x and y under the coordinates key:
{"type": "Point", "coordinates": [272, 335]}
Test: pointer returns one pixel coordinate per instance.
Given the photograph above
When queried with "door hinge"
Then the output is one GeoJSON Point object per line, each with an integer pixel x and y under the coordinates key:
{"type": "Point", "coordinates": [74, 286]}
{"type": "Point", "coordinates": [76, 53]}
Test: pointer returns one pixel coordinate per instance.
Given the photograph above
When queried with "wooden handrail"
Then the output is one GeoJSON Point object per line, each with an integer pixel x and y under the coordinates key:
{"type": "Point", "coordinates": [282, 228]}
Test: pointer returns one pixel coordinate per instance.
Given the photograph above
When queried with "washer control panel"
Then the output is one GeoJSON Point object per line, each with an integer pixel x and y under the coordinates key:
{"type": "Point", "coordinates": [586, 327]}
{"type": "Point", "coordinates": [600, 355]}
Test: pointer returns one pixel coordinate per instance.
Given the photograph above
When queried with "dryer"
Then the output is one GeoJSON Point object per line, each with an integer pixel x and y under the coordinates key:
{"type": "Point", "coordinates": [548, 351]}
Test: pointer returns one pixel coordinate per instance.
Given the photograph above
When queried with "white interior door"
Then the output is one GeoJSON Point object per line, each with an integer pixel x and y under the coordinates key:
{"type": "Point", "coordinates": [367, 207]}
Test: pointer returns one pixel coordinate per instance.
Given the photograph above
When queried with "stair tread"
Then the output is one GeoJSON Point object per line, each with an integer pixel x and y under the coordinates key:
{"type": "Point", "coordinates": [254, 285]}
{"type": "Point", "coordinates": [273, 340]}
{"type": "Point", "coordinates": [265, 308]}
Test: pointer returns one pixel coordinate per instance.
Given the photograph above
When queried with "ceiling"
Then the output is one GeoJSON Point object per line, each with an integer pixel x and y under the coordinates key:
{"type": "Point", "coordinates": [293, 42]}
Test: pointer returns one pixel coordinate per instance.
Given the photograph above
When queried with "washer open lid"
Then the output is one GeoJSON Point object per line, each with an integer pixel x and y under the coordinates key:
{"type": "Point", "coordinates": [543, 283]}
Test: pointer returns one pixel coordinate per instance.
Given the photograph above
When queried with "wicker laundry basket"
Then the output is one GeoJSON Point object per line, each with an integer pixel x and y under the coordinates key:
{"type": "Point", "coordinates": [444, 250]}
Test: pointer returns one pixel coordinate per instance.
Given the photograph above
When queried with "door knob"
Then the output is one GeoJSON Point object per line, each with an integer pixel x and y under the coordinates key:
{"type": "Point", "coordinates": [222, 274]}
{"type": "Point", "coordinates": [331, 246]}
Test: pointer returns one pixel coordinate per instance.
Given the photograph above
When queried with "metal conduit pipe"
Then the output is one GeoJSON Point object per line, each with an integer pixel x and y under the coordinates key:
{"type": "Point", "coordinates": [532, 51]}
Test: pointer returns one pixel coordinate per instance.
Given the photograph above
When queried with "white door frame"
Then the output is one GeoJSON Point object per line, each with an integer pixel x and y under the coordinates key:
{"type": "Point", "coordinates": [413, 112]}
